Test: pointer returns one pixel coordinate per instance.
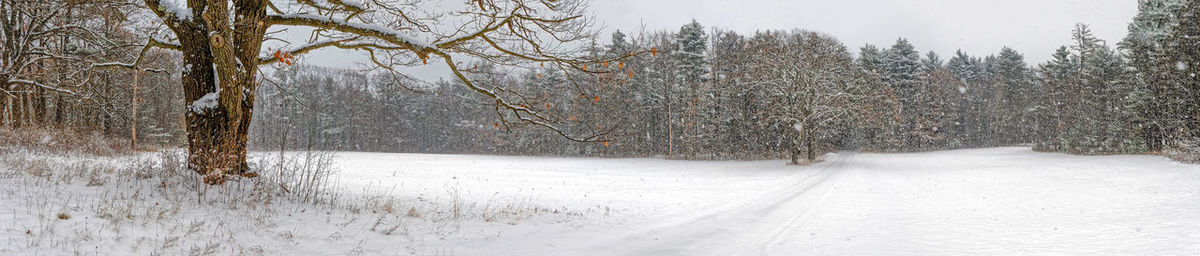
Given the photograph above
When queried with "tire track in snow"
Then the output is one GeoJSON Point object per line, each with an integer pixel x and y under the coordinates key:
{"type": "Point", "coordinates": [764, 247]}
{"type": "Point", "coordinates": [740, 228]}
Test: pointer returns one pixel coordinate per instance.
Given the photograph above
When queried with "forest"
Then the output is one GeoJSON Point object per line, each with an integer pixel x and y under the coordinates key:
{"type": "Point", "coordinates": [696, 93]}
{"type": "Point", "coordinates": [717, 94]}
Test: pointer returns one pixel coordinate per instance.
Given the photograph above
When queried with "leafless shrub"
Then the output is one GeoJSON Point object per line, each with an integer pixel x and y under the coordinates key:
{"type": "Point", "coordinates": [304, 176]}
{"type": "Point", "coordinates": [140, 168]}
{"type": "Point", "coordinates": [172, 160]}
{"type": "Point", "coordinates": [1188, 151]}
{"type": "Point", "coordinates": [456, 201]}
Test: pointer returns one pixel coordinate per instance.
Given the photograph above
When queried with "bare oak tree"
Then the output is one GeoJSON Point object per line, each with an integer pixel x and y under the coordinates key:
{"type": "Point", "coordinates": [813, 86]}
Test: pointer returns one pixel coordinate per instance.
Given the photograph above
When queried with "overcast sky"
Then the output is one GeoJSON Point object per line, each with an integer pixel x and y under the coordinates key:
{"type": "Point", "coordinates": [981, 27]}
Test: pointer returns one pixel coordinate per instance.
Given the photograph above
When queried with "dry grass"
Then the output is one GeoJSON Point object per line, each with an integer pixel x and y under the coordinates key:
{"type": "Point", "coordinates": [63, 141]}
{"type": "Point", "coordinates": [94, 200]}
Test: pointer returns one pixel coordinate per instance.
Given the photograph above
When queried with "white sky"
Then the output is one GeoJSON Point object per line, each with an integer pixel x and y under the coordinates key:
{"type": "Point", "coordinates": [981, 27]}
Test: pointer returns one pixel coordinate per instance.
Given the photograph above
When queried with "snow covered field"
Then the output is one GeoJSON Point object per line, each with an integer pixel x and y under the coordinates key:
{"type": "Point", "coordinates": [1003, 201]}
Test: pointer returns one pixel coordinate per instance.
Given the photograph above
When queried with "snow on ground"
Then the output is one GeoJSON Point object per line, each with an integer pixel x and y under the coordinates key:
{"type": "Point", "coordinates": [1002, 201]}
{"type": "Point", "coordinates": [602, 194]}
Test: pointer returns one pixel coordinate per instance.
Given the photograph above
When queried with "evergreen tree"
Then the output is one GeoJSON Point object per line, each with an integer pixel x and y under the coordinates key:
{"type": "Point", "coordinates": [1053, 105]}
{"type": "Point", "coordinates": [691, 75]}
{"type": "Point", "coordinates": [1089, 101]}
{"type": "Point", "coordinates": [962, 66]}
{"type": "Point", "coordinates": [1143, 48]}
{"type": "Point", "coordinates": [1182, 85]}
{"type": "Point", "coordinates": [902, 65]}
{"type": "Point", "coordinates": [902, 71]}
{"type": "Point", "coordinates": [932, 62]}
{"type": "Point", "coordinates": [619, 47]}
{"type": "Point", "coordinates": [690, 65]}
{"type": "Point", "coordinates": [1011, 98]}
{"type": "Point", "coordinates": [870, 58]}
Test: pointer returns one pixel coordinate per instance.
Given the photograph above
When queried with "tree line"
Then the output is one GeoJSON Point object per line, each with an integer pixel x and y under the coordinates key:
{"type": "Point", "coordinates": [57, 71]}
{"type": "Point", "coordinates": [717, 94]}
{"type": "Point", "coordinates": [695, 93]}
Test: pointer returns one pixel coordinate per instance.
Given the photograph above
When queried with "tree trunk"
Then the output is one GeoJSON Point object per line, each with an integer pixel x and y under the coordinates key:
{"type": "Point", "coordinates": [134, 120]}
{"type": "Point", "coordinates": [808, 145]}
{"type": "Point", "coordinates": [796, 146]}
{"type": "Point", "coordinates": [795, 153]}
{"type": "Point", "coordinates": [59, 105]}
{"type": "Point", "coordinates": [39, 107]}
{"type": "Point", "coordinates": [18, 111]}
{"type": "Point", "coordinates": [220, 84]}
{"type": "Point", "coordinates": [217, 130]}
{"type": "Point", "coordinates": [670, 133]}
{"type": "Point", "coordinates": [6, 110]}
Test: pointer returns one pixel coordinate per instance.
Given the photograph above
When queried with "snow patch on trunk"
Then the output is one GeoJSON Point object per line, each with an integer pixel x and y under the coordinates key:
{"type": "Point", "coordinates": [206, 102]}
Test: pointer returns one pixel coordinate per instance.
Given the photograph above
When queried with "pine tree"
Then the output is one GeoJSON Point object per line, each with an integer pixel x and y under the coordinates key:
{"type": "Point", "coordinates": [1088, 132]}
{"type": "Point", "coordinates": [1143, 48]}
{"type": "Point", "coordinates": [902, 65]}
{"type": "Point", "coordinates": [619, 47]}
{"type": "Point", "coordinates": [932, 62]}
{"type": "Point", "coordinates": [1011, 98]}
{"type": "Point", "coordinates": [962, 66]}
{"type": "Point", "coordinates": [1052, 106]}
{"type": "Point", "coordinates": [1182, 85]}
{"type": "Point", "coordinates": [870, 58]}
{"type": "Point", "coordinates": [1114, 117]}
{"type": "Point", "coordinates": [692, 75]}
{"type": "Point", "coordinates": [902, 71]}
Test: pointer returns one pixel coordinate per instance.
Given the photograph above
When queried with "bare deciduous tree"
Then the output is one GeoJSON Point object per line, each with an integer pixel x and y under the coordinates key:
{"type": "Point", "coordinates": [813, 85]}
{"type": "Point", "coordinates": [34, 36]}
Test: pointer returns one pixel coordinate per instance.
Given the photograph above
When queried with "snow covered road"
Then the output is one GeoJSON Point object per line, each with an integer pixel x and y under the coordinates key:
{"type": "Point", "coordinates": [746, 227]}
{"type": "Point", "coordinates": [1005, 201]}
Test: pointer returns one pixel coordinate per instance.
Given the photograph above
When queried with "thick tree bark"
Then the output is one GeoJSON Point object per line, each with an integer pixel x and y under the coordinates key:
{"type": "Point", "coordinates": [219, 85]}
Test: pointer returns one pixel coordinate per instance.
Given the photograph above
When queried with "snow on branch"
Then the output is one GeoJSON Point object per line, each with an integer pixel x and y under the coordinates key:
{"type": "Point", "coordinates": [302, 49]}
{"type": "Point", "coordinates": [150, 43]}
{"type": "Point", "coordinates": [35, 83]}
{"type": "Point", "coordinates": [370, 30]}
{"type": "Point", "coordinates": [170, 9]}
